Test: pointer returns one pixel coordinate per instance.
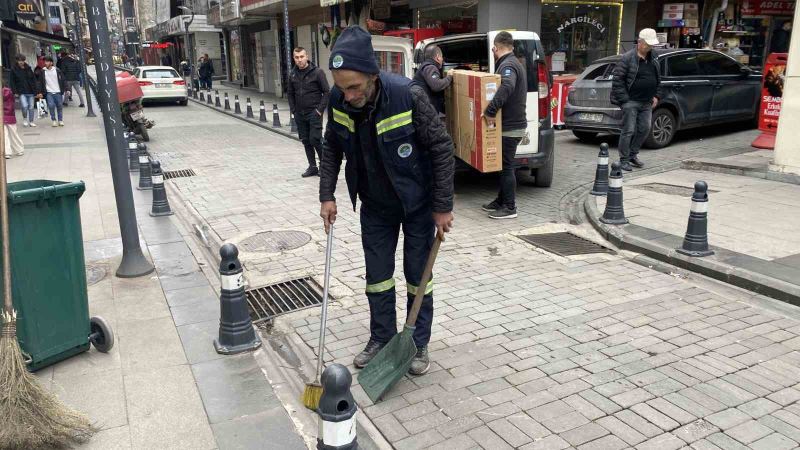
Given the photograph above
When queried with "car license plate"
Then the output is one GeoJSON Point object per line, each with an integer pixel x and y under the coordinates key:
{"type": "Point", "coordinates": [590, 117]}
{"type": "Point", "coordinates": [136, 115]}
{"type": "Point", "coordinates": [163, 85]}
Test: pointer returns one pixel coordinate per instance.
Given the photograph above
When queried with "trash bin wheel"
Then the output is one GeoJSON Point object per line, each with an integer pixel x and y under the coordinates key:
{"type": "Point", "coordinates": [101, 335]}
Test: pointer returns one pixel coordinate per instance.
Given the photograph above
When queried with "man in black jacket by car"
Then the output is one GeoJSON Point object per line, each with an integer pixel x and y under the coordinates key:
{"type": "Point", "coordinates": [431, 79]}
{"type": "Point", "coordinates": [400, 164]}
{"type": "Point", "coordinates": [308, 98]}
{"type": "Point", "coordinates": [511, 97]}
{"type": "Point", "coordinates": [636, 89]}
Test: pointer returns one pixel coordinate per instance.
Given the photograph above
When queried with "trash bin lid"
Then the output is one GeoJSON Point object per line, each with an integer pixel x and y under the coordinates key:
{"type": "Point", "coordinates": [35, 190]}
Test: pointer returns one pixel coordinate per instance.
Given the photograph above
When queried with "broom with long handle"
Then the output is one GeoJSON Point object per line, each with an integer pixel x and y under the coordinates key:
{"type": "Point", "coordinates": [30, 416]}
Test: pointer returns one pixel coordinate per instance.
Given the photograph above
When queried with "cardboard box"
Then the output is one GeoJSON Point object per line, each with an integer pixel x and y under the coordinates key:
{"type": "Point", "coordinates": [672, 16]}
{"type": "Point", "coordinates": [476, 143]}
{"type": "Point", "coordinates": [673, 7]}
{"type": "Point", "coordinates": [690, 7]}
{"type": "Point", "coordinates": [691, 23]}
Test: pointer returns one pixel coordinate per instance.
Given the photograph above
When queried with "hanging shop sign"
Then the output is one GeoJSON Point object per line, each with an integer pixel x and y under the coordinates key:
{"type": "Point", "coordinates": [324, 3]}
{"type": "Point", "coordinates": [586, 20]}
{"type": "Point", "coordinates": [26, 10]}
{"type": "Point", "coordinates": [767, 8]}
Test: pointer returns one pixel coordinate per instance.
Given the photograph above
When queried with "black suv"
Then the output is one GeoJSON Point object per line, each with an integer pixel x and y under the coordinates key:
{"type": "Point", "coordinates": [701, 87]}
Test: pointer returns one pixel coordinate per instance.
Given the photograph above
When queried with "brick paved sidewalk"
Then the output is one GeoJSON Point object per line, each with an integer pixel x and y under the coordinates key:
{"type": "Point", "coordinates": [530, 350]}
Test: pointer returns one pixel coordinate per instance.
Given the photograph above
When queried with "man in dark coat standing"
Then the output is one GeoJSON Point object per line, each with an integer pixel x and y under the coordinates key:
{"type": "Point", "coordinates": [431, 79]}
{"type": "Point", "coordinates": [308, 98]}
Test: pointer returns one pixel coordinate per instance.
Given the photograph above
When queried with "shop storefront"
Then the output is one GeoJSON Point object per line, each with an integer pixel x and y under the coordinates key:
{"type": "Point", "coordinates": [749, 30]}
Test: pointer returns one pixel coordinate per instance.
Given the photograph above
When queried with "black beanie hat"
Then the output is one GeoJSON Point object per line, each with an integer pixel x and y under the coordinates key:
{"type": "Point", "coordinates": [353, 51]}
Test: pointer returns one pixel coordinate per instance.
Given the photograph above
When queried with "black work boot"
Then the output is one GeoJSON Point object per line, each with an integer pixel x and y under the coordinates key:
{"type": "Point", "coordinates": [369, 352]}
{"type": "Point", "coordinates": [310, 172]}
{"type": "Point", "coordinates": [421, 362]}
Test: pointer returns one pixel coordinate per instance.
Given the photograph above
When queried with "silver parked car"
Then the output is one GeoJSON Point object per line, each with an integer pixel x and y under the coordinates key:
{"type": "Point", "coordinates": [701, 87]}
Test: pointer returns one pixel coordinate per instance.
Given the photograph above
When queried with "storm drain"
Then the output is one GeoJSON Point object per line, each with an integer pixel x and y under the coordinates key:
{"type": "Point", "coordinates": [180, 173]}
{"type": "Point", "coordinates": [274, 241]}
{"type": "Point", "coordinates": [281, 298]}
{"type": "Point", "coordinates": [564, 244]}
{"type": "Point", "coordinates": [668, 189]}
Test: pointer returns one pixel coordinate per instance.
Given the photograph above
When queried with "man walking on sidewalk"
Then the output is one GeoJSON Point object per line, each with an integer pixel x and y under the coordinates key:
{"type": "Point", "coordinates": [206, 72]}
{"type": "Point", "coordinates": [308, 98]}
{"type": "Point", "coordinates": [636, 89]}
{"type": "Point", "coordinates": [400, 164]}
{"type": "Point", "coordinates": [431, 79]}
{"type": "Point", "coordinates": [71, 68]}
{"type": "Point", "coordinates": [52, 83]}
{"type": "Point", "coordinates": [23, 82]}
{"type": "Point", "coordinates": [511, 98]}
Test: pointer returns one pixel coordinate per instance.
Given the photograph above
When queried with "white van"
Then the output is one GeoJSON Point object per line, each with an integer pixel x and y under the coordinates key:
{"type": "Point", "coordinates": [474, 52]}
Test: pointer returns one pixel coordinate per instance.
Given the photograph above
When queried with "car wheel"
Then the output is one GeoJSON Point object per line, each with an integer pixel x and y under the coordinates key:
{"type": "Point", "coordinates": [584, 136]}
{"type": "Point", "coordinates": [662, 129]}
{"type": "Point", "coordinates": [184, 102]}
{"type": "Point", "coordinates": [544, 175]}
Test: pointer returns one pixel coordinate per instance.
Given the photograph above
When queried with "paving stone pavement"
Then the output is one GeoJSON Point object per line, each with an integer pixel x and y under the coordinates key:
{"type": "Point", "coordinates": [530, 350]}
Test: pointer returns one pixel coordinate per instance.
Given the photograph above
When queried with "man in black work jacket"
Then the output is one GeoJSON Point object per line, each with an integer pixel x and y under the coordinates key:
{"type": "Point", "coordinates": [636, 88]}
{"type": "Point", "coordinates": [400, 164]}
{"type": "Point", "coordinates": [430, 78]}
{"type": "Point", "coordinates": [511, 97]}
{"type": "Point", "coordinates": [308, 98]}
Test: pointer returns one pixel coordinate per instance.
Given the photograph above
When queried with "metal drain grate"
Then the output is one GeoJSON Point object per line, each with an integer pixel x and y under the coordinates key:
{"type": "Point", "coordinates": [668, 189]}
{"type": "Point", "coordinates": [564, 244]}
{"type": "Point", "coordinates": [281, 298]}
{"type": "Point", "coordinates": [180, 173]}
{"type": "Point", "coordinates": [274, 241]}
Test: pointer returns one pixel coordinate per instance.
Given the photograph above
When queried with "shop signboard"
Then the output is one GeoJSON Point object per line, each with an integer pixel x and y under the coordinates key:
{"type": "Point", "coordinates": [581, 20]}
{"type": "Point", "coordinates": [768, 8]}
{"type": "Point", "coordinates": [26, 10]}
{"type": "Point", "coordinates": [325, 3]}
{"type": "Point", "coordinates": [771, 100]}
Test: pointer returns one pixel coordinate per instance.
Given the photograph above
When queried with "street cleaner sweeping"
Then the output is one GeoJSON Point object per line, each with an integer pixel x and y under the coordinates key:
{"type": "Point", "coordinates": [400, 164]}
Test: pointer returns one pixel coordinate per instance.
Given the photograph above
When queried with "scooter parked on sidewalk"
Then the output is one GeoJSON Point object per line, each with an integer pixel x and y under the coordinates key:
{"type": "Point", "coordinates": [130, 104]}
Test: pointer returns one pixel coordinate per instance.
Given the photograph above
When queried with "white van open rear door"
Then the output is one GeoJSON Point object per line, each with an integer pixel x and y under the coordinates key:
{"type": "Point", "coordinates": [394, 54]}
{"type": "Point", "coordinates": [525, 50]}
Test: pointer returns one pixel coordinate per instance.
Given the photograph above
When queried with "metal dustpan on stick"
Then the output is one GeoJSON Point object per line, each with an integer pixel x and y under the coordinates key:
{"type": "Point", "coordinates": [394, 360]}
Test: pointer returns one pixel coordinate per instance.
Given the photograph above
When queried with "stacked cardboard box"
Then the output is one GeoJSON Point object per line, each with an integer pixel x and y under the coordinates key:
{"type": "Point", "coordinates": [476, 143]}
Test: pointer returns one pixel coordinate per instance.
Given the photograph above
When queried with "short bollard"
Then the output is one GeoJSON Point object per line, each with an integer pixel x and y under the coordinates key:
{"type": "Point", "coordinates": [145, 175]}
{"type": "Point", "coordinates": [208, 98]}
{"type": "Point", "coordinates": [614, 213]}
{"type": "Point", "coordinates": [276, 119]}
{"type": "Point", "coordinates": [216, 99]}
{"type": "Point", "coordinates": [236, 108]}
{"type": "Point", "coordinates": [133, 153]}
{"type": "Point", "coordinates": [227, 103]}
{"type": "Point", "coordinates": [236, 333]}
{"type": "Point", "coordinates": [292, 123]}
{"type": "Point", "coordinates": [202, 96]}
{"type": "Point", "coordinates": [249, 109]}
{"type": "Point", "coordinates": [337, 410]}
{"type": "Point", "coordinates": [601, 175]}
{"type": "Point", "coordinates": [194, 94]}
{"type": "Point", "coordinates": [262, 114]}
{"type": "Point", "coordinates": [695, 243]}
{"type": "Point", "coordinates": [160, 201]}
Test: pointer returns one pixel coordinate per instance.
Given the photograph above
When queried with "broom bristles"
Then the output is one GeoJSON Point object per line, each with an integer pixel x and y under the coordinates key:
{"type": "Point", "coordinates": [31, 416]}
{"type": "Point", "coordinates": [311, 396]}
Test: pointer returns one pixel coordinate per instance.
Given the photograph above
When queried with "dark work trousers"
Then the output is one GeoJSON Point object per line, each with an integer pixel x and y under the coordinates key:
{"type": "Point", "coordinates": [380, 231]}
{"type": "Point", "coordinates": [309, 128]}
{"type": "Point", "coordinates": [508, 178]}
{"type": "Point", "coordinates": [636, 118]}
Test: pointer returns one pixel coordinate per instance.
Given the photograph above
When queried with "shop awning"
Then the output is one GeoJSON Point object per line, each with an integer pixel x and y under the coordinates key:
{"type": "Point", "coordinates": [36, 35]}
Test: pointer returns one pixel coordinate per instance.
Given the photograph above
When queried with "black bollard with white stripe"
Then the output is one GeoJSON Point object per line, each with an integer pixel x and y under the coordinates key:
{"type": "Point", "coordinates": [208, 98]}
{"type": "Point", "coordinates": [216, 99]}
{"type": "Point", "coordinates": [601, 175]}
{"type": "Point", "coordinates": [160, 201]}
{"type": "Point", "coordinates": [614, 213]}
{"type": "Point", "coordinates": [194, 94]}
{"type": "Point", "coordinates": [133, 153]}
{"type": "Point", "coordinates": [202, 97]}
{"type": "Point", "coordinates": [236, 333]}
{"type": "Point", "coordinates": [236, 108]}
{"type": "Point", "coordinates": [262, 112]}
{"type": "Point", "coordinates": [292, 124]}
{"type": "Point", "coordinates": [337, 410]}
{"type": "Point", "coordinates": [145, 175]}
{"type": "Point", "coordinates": [276, 119]}
{"type": "Point", "coordinates": [695, 243]}
{"type": "Point", "coordinates": [227, 103]}
{"type": "Point", "coordinates": [249, 109]}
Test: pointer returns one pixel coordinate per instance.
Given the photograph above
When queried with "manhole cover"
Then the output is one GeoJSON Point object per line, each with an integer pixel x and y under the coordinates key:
{"type": "Point", "coordinates": [281, 298]}
{"type": "Point", "coordinates": [669, 189]}
{"type": "Point", "coordinates": [94, 274]}
{"type": "Point", "coordinates": [180, 173]}
{"type": "Point", "coordinates": [564, 244]}
{"type": "Point", "coordinates": [275, 241]}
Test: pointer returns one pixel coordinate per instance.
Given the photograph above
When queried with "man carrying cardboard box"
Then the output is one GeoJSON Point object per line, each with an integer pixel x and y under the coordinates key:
{"type": "Point", "coordinates": [400, 164]}
{"type": "Point", "coordinates": [511, 98]}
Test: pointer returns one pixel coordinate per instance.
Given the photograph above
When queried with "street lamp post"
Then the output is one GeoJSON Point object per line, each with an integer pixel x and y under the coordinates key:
{"type": "Point", "coordinates": [189, 49]}
{"type": "Point", "coordinates": [79, 34]}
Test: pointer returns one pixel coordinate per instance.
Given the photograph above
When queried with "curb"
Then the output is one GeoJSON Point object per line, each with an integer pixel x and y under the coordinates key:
{"type": "Point", "coordinates": [763, 173]}
{"type": "Point", "coordinates": [743, 278]}
{"type": "Point", "coordinates": [243, 118]}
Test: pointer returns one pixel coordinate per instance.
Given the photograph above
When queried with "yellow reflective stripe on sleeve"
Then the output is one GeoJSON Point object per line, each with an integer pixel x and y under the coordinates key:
{"type": "Point", "coordinates": [383, 286]}
{"type": "Point", "coordinates": [342, 118]}
{"type": "Point", "coordinates": [396, 121]}
{"type": "Point", "coordinates": [412, 289]}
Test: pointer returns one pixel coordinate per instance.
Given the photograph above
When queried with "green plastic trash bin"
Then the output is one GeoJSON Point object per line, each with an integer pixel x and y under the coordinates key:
{"type": "Point", "coordinates": [48, 273]}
